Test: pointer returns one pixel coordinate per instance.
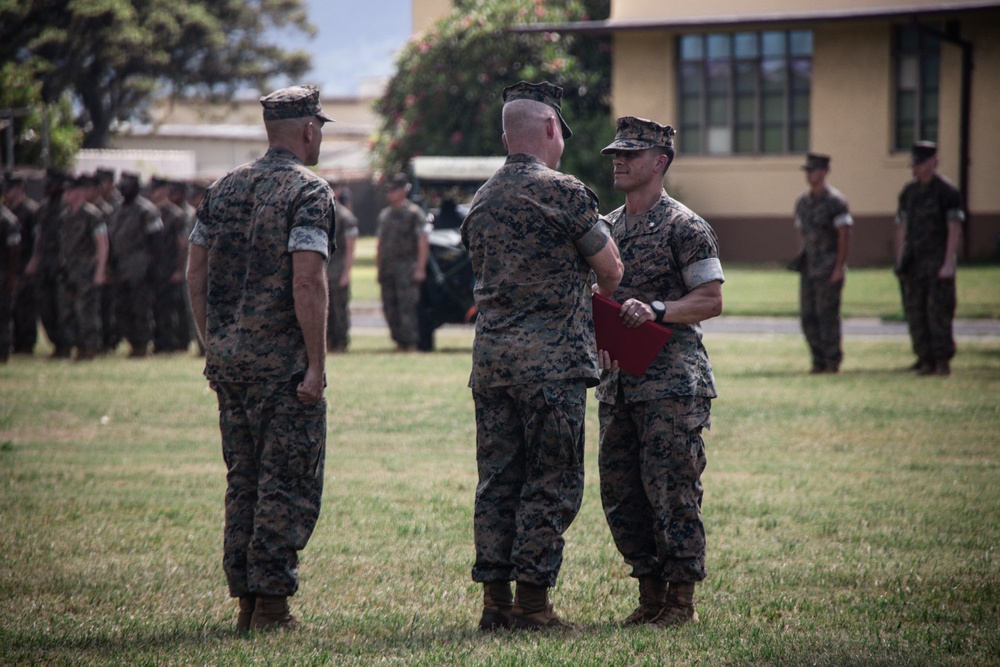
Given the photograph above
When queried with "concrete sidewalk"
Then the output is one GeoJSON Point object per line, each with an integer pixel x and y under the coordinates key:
{"type": "Point", "coordinates": [368, 315]}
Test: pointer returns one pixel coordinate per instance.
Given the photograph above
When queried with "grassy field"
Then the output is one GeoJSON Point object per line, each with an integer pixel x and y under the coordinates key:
{"type": "Point", "coordinates": [774, 292]}
{"type": "Point", "coordinates": [852, 519]}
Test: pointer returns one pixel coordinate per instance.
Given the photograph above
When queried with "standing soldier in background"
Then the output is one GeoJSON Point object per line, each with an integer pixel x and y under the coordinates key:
{"type": "Point", "coordinates": [401, 259]}
{"type": "Point", "coordinates": [95, 196]}
{"type": "Point", "coordinates": [170, 333]}
{"type": "Point", "coordinates": [44, 265]}
{"type": "Point", "coordinates": [534, 235]}
{"type": "Point", "coordinates": [83, 256]}
{"type": "Point", "coordinates": [257, 276]}
{"type": "Point", "coordinates": [10, 253]}
{"type": "Point", "coordinates": [136, 231]}
{"type": "Point", "coordinates": [824, 224]}
{"type": "Point", "coordinates": [929, 226]}
{"type": "Point", "coordinates": [25, 315]}
{"type": "Point", "coordinates": [182, 303]}
{"type": "Point", "coordinates": [652, 453]}
{"type": "Point", "coordinates": [339, 273]}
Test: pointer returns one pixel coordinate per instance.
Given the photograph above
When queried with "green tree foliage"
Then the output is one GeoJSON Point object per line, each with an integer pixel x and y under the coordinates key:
{"type": "Point", "coordinates": [112, 55]}
{"type": "Point", "coordinates": [445, 97]}
{"type": "Point", "coordinates": [20, 89]}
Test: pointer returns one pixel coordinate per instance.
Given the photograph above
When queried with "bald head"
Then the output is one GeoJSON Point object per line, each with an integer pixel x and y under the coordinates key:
{"type": "Point", "coordinates": [285, 130]}
{"type": "Point", "coordinates": [532, 127]}
{"type": "Point", "coordinates": [301, 136]}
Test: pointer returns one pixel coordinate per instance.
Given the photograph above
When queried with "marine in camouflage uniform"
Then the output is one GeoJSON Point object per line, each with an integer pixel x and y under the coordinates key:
{"type": "Point", "coordinates": [135, 232]}
{"type": "Point", "coordinates": [170, 322]}
{"type": "Point", "coordinates": [109, 330]}
{"type": "Point", "coordinates": [652, 453]}
{"type": "Point", "coordinates": [534, 235]}
{"type": "Point", "coordinates": [929, 223]}
{"type": "Point", "coordinates": [339, 273]}
{"type": "Point", "coordinates": [401, 258]}
{"type": "Point", "coordinates": [44, 265]}
{"type": "Point", "coordinates": [824, 223]}
{"type": "Point", "coordinates": [25, 313]}
{"type": "Point", "coordinates": [10, 239]}
{"type": "Point", "coordinates": [257, 277]}
{"type": "Point", "coordinates": [83, 256]}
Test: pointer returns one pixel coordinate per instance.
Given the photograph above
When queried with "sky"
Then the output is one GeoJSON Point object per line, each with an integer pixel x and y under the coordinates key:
{"type": "Point", "coordinates": [356, 40]}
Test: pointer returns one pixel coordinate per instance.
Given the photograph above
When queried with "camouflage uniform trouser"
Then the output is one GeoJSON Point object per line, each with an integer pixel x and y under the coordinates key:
{"type": "Point", "coordinates": [529, 451]}
{"type": "Point", "coordinates": [819, 308]}
{"type": "Point", "coordinates": [338, 322]}
{"type": "Point", "coordinates": [80, 312]}
{"type": "Point", "coordinates": [6, 317]}
{"type": "Point", "coordinates": [47, 293]}
{"type": "Point", "coordinates": [651, 459]}
{"type": "Point", "coordinates": [134, 311]}
{"type": "Point", "coordinates": [400, 297]}
{"type": "Point", "coordinates": [274, 447]}
{"type": "Point", "coordinates": [25, 315]}
{"type": "Point", "coordinates": [929, 305]}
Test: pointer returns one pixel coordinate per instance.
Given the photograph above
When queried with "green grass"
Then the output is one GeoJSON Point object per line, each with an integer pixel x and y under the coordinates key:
{"type": "Point", "coordinates": [852, 519]}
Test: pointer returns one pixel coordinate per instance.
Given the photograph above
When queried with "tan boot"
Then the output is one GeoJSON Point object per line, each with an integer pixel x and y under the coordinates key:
{"type": "Point", "coordinates": [679, 607]}
{"type": "Point", "coordinates": [652, 597]}
{"type": "Point", "coordinates": [271, 613]}
{"type": "Point", "coordinates": [532, 610]}
{"type": "Point", "coordinates": [498, 603]}
{"type": "Point", "coordinates": [247, 604]}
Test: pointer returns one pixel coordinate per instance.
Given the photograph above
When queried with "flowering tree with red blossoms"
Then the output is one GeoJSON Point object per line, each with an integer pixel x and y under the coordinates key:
{"type": "Point", "coordinates": [445, 97]}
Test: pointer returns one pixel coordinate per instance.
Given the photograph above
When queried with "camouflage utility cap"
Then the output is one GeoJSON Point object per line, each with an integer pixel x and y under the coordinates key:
{"type": "Point", "coordinates": [639, 134]}
{"type": "Point", "coordinates": [294, 102]}
{"type": "Point", "coordinates": [816, 161]}
{"type": "Point", "coordinates": [544, 92]}
{"type": "Point", "coordinates": [922, 151]}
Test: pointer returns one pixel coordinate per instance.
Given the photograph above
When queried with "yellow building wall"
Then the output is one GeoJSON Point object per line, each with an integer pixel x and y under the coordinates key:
{"type": "Point", "coordinates": [682, 9]}
{"type": "Point", "coordinates": [851, 119]}
{"type": "Point", "coordinates": [428, 12]}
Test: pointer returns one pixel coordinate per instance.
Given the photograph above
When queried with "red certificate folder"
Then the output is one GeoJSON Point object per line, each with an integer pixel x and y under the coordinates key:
{"type": "Point", "coordinates": [633, 348]}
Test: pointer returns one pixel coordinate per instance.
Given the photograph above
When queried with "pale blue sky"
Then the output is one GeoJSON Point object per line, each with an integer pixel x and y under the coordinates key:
{"type": "Point", "coordinates": [356, 40]}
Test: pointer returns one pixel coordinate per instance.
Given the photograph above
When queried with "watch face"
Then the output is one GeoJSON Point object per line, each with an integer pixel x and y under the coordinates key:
{"type": "Point", "coordinates": [659, 309]}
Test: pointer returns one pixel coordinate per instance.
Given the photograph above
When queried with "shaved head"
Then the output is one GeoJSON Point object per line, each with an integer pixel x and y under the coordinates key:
{"type": "Point", "coordinates": [285, 130]}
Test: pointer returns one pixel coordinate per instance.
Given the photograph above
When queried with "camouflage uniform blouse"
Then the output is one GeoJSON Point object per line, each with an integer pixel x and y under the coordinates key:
{"type": "Point", "coordinates": [668, 253]}
{"type": "Point", "coordinates": [10, 237]}
{"type": "Point", "coordinates": [398, 232]}
{"type": "Point", "coordinates": [532, 285]}
{"type": "Point", "coordinates": [347, 227]}
{"type": "Point", "coordinates": [250, 222]}
{"type": "Point", "coordinates": [926, 210]}
{"type": "Point", "coordinates": [819, 218]}
{"type": "Point", "coordinates": [77, 247]}
{"type": "Point", "coordinates": [134, 223]}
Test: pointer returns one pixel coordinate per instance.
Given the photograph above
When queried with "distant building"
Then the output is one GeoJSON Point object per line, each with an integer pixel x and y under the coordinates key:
{"type": "Point", "coordinates": [224, 136]}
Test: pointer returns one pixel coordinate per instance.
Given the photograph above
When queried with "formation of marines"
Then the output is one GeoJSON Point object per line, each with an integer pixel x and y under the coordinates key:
{"type": "Point", "coordinates": [96, 262]}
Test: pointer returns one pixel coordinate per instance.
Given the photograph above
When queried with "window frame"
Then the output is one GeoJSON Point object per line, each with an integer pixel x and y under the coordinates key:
{"type": "Point", "coordinates": [920, 126]}
{"type": "Point", "coordinates": [704, 55]}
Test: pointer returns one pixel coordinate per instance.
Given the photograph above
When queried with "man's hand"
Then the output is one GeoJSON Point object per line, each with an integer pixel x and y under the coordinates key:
{"type": "Point", "coordinates": [605, 362]}
{"type": "Point", "coordinates": [837, 276]}
{"type": "Point", "coordinates": [634, 312]}
{"type": "Point", "coordinates": [310, 390]}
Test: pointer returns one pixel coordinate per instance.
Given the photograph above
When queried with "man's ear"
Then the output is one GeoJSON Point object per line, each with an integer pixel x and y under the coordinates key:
{"type": "Point", "coordinates": [551, 127]}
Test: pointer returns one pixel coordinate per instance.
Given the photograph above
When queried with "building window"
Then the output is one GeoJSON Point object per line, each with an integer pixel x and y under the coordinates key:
{"type": "Point", "coordinates": [918, 65]}
{"type": "Point", "coordinates": [745, 93]}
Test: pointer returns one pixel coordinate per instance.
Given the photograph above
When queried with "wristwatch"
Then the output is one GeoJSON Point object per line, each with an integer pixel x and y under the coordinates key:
{"type": "Point", "coordinates": [659, 310]}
